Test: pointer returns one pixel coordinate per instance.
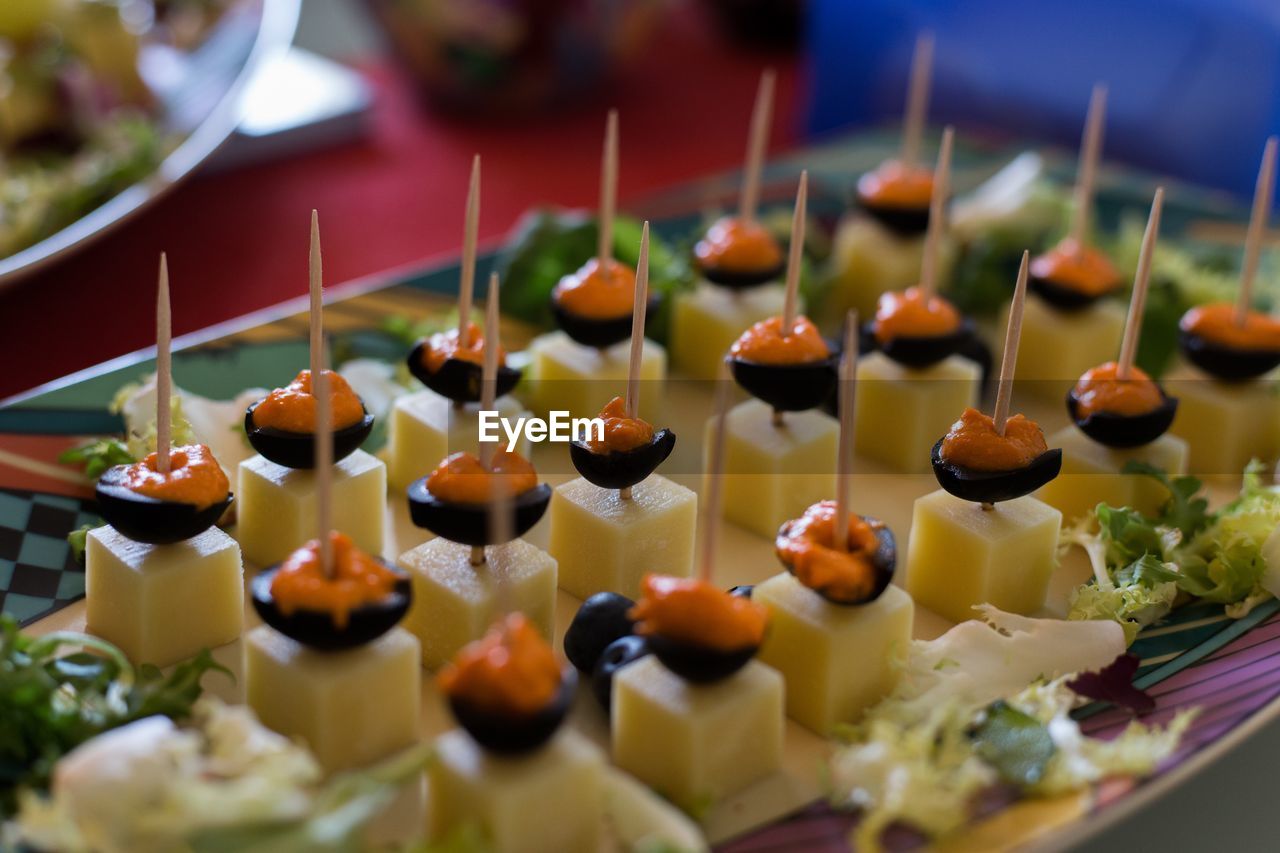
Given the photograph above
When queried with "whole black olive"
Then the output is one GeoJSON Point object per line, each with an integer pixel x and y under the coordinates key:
{"type": "Point", "coordinates": [1115, 430]}
{"type": "Point", "coordinates": [458, 379]}
{"type": "Point", "coordinates": [593, 332]}
{"type": "Point", "coordinates": [1230, 364]}
{"type": "Point", "coordinates": [516, 734]}
{"type": "Point", "coordinates": [622, 469]}
{"type": "Point", "coordinates": [298, 449]}
{"type": "Point", "coordinates": [991, 487]}
{"type": "Point", "coordinates": [316, 629]}
{"type": "Point", "coordinates": [600, 620]}
{"type": "Point", "coordinates": [151, 520]}
{"type": "Point", "coordinates": [470, 524]}
{"type": "Point", "coordinates": [615, 656]}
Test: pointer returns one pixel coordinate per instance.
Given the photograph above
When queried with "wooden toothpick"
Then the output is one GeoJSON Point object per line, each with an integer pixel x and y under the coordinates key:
{"type": "Point", "coordinates": [608, 192]}
{"type": "Point", "coordinates": [1263, 193]}
{"type": "Point", "coordinates": [164, 369]}
{"type": "Point", "coordinates": [323, 461]}
{"type": "Point", "coordinates": [1141, 280]}
{"type": "Point", "coordinates": [757, 143]}
{"type": "Point", "coordinates": [712, 477]}
{"type": "Point", "coordinates": [795, 257]}
{"type": "Point", "coordinates": [489, 383]}
{"type": "Point", "coordinates": [639, 307]}
{"type": "Point", "coordinates": [470, 232]}
{"type": "Point", "coordinates": [316, 270]}
{"type": "Point", "coordinates": [1090, 150]}
{"type": "Point", "coordinates": [917, 98]}
{"type": "Point", "coordinates": [937, 214]}
{"type": "Point", "coordinates": [844, 462]}
{"type": "Point", "coordinates": [1012, 335]}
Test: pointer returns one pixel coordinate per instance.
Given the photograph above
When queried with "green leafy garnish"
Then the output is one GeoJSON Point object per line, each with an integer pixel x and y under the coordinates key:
{"type": "Point", "coordinates": [1017, 745]}
{"type": "Point", "coordinates": [1186, 510]}
{"type": "Point", "coordinates": [78, 539]}
{"type": "Point", "coordinates": [97, 456]}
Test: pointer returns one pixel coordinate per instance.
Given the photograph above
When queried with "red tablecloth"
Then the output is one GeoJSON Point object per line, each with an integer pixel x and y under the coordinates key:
{"type": "Point", "coordinates": [237, 242]}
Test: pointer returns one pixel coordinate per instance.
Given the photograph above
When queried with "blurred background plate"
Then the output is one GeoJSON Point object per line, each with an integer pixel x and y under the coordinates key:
{"type": "Point", "coordinates": [199, 97]}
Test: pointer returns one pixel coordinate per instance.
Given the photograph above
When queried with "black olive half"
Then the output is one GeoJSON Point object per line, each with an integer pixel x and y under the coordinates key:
{"type": "Point", "coordinates": [598, 333]}
{"type": "Point", "coordinates": [469, 524]}
{"type": "Point", "coordinates": [298, 449]}
{"type": "Point", "coordinates": [903, 221]}
{"type": "Point", "coordinates": [990, 487]}
{"type": "Point", "coordinates": [316, 629]}
{"type": "Point", "coordinates": [1124, 430]}
{"type": "Point", "coordinates": [1064, 297]}
{"type": "Point", "coordinates": [1228, 363]}
{"type": "Point", "coordinates": [921, 351]}
{"type": "Point", "coordinates": [622, 469]}
{"type": "Point", "coordinates": [883, 561]}
{"type": "Point", "coordinates": [742, 279]}
{"type": "Point", "coordinates": [600, 621]}
{"type": "Point", "coordinates": [697, 663]}
{"type": "Point", "coordinates": [459, 379]}
{"type": "Point", "coordinates": [515, 734]}
{"type": "Point", "coordinates": [789, 387]}
{"type": "Point", "coordinates": [151, 520]}
{"type": "Point", "coordinates": [615, 656]}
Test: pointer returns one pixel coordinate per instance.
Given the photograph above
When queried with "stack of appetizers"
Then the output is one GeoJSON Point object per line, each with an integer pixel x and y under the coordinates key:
{"type": "Point", "coordinates": [161, 581]}
{"type": "Point", "coordinates": [619, 520]}
{"type": "Point", "coordinates": [430, 424]}
{"type": "Point", "coordinates": [574, 367]}
{"type": "Point", "coordinates": [461, 577]}
{"type": "Point", "coordinates": [1230, 410]}
{"type": "Point", "coordinates": [738, 262]}
{"type": "Point", "coordinates": [330, 667]}
{"type": "Point", "coordinates": [278, 486]}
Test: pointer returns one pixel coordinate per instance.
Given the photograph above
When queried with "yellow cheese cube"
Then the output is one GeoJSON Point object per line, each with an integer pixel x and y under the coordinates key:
{"type": "Point", "coordinates": [836, 661]}
{"type": "Point", "coordinates": [603, 543]}
{"type": "Point", "coordinates": [697, 743]}
{"type": "Point", "coordinates": [549, 800]}
{"type": "Point", "coordinates": [1226, 423]}
{"type": "Point", "coordinates": [426, 427]}
{"type": "Point", "coordinates": [163, 603]}
{"type": "Point", "coordinates": [455, 602]}
{"type": "Point", "coordinates": [1057, 346]}
{"type": "Point", "coordinates": [772, 474]}
{"type": "Point", "coordinates": [276, 506]}
{"type": "Point", "coordinates": [900, 413]}
{"type": "Point", "coordinates": [960, 555]}
{"type": "Point", "coordinates": [350, 708]}
{"type": "Point", "coordinates": [1091, 474]}
{"type": "Point", "coordinates": [708, 319]}
{"type": "Point", "coordinates": [566, 376]}
{"type": "Point", "coordinates": [867, 260]}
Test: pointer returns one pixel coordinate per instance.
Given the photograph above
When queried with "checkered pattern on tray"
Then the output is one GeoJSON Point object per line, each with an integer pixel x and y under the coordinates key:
{"type": "Point", "coordinates": [38, 574]}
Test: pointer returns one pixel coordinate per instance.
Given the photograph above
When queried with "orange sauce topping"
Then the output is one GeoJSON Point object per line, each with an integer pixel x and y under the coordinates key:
{"type": "Point", "coordinates": [598, 294]}
{"type": "Point", "coordinates": [443, 346]}
{"type": "Point", "coordinates": [807, 546]}
{"type": "Point", "coordinates": [695, 612]}
{"type": "Point", "coordinates": [765, 343]}
{"type": "Point", "coordinates": [973, 442]}
{"type": "Point", "coordinates": [895, 184]}
{"type": "Point", "coordinates": [293, 409]}
{"type": "Point", "coordinates": [1216, 323]}
{"type": "Point", "coordinates": [461, 478]}
{"type": "Point", "coordinates": [738, 245]}
{"type": "Point", "coordinates": [1101, 389]}
{"type": "Point", "coordinates": [194, 477]}
{"type": "Point", "coordinates": [510, 670]}
{"type": "Point", "coordinates": [909, 314]}
{"type": "Point", "coordinates": [1080, 268]}
{"type": "Point", "coordinates": [621, 433]}
{"type": "Point", "coordinates": [358, 579]}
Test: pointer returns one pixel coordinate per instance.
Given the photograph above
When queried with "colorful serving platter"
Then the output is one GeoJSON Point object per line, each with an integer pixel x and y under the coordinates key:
{"type": "Point", "coordinates": [1198, 657]}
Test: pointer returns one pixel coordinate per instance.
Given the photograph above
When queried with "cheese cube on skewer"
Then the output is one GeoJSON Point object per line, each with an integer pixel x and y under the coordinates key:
{"type": "Point", "coordinates": [551, 799]}
{"type": "Point", "coordinates": [1091, 474]}
{"type": "Point", "coordinates": [455, 602]}
{"type": "Point", "coordinates": [603, 543]}
{"type": "Point", "coordinates": [707, 320]}
{"type": "Point", "coordinates": [836, 660]}
{"type": "Point", "coordinates": [276, 506]}
{"type": "Point", "coordinates": [868, 260]}
{"type": "Point", "coordinates": [1225, 424]}
{"type": "Point", "coordinates": [569, 377]}
{"type": "Point", "coordinates": [163, 603]}
{"type": "Point", "coordinates": [425, 428]}
{"type": "Point", "coordinates": [1056, 346]}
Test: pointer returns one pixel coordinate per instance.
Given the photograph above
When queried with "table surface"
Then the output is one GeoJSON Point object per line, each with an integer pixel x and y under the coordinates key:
{"type": "Point", "coordinates": [237, 243]}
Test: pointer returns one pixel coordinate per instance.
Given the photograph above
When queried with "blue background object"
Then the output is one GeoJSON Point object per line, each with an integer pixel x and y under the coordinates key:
{"type": "Point", "coordinates": [1194, 84]}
